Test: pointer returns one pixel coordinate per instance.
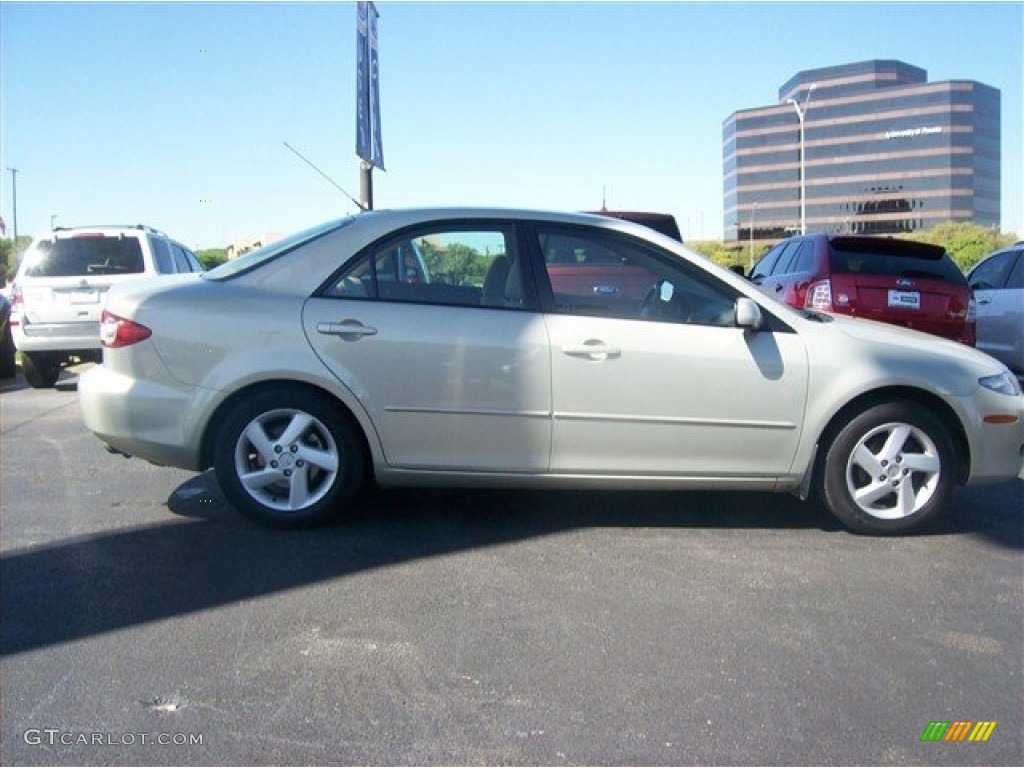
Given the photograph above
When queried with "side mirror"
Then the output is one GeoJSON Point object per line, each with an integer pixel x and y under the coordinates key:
{"type": "Point", "coordinates": [738, 269]}
{"type": "Point", "coordinates": [748, 314]}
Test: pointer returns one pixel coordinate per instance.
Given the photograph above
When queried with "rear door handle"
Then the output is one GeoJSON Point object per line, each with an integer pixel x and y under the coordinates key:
{"type": "Point", "coordinates": [592, 349]}
{"type": "Point", "coordinates": [349, 330]}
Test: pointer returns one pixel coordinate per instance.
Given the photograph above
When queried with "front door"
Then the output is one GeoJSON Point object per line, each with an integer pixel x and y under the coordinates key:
{"type": "Point", "coordinates": [660, 381]}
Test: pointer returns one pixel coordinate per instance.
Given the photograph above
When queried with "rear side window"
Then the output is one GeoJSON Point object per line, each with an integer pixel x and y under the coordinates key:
{"type": "Point", "coordinates": [763, 268]}
{"type": "Point", "coordinates": [85, 255]}
{"type": "Point", "coordinates": [868, 261]}
{"type": "Point", "coordinates": [797, 260]}
{"type": "Point", "coordinates": [464, 267]}
{"type": "Point", "coordinates": [162, 253]}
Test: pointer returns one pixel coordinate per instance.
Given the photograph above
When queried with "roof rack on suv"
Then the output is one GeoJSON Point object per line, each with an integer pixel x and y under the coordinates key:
{"type": "Point", "coordinates": [143, 227]}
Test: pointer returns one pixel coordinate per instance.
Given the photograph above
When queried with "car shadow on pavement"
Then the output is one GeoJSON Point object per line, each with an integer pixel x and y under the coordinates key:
{"type": "Point", "coordinates": [209, 556]}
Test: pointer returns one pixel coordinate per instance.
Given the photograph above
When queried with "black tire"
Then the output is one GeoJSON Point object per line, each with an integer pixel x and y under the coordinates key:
{"type": "Point", "coordinates": [890, 469]}
{"type": "Point", "coordinates": [304, 480]}
{"type": "Point", "coordinates": [41, 369]}
{"type": "Point", "coordinates": [8, 369]}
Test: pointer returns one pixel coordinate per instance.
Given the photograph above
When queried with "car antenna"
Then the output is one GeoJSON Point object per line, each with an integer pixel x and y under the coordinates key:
{"type": "Point", "coordinates": [336, 186]}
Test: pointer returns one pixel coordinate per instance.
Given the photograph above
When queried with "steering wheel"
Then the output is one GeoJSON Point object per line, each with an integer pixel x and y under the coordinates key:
{"type": "Point", "coordinates": [664, 302]}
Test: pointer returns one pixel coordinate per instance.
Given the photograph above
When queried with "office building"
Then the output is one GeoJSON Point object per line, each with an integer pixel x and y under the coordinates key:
{"type": "Point", "coordinates": [884, 151]}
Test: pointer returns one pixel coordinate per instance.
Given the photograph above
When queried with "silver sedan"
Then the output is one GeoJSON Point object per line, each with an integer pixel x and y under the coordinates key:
{"type": "Point", "coordinates": [518, 348]}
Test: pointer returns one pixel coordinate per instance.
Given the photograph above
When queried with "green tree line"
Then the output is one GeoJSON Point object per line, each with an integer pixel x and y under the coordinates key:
{"type": "Point", "coordinates": [966, 243]}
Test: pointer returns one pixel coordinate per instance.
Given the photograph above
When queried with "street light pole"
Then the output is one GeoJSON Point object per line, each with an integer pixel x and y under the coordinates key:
{"type": "Point", "coordinates": [753, 209]}
{"type": "Point", "coordinates": [801, 113]}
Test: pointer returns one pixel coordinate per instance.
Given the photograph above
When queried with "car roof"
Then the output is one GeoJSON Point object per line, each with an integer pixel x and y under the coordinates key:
{"type": "Point", "coordinates": [389, 220]}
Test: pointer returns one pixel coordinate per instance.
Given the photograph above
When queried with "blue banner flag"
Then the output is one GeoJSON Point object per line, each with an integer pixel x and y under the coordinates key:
{"type": "Point", "coordinates": [377, 150]}
{"type": "Point", "coordinates": [368, 134]}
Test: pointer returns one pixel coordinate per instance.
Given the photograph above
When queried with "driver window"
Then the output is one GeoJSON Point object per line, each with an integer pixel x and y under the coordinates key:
{"type": "Point", "coordinates": [611, 275]}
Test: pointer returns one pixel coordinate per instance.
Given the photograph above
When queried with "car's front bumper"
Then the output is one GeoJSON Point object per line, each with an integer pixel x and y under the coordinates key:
{"type": "Point", "coordinates": [996, 436]}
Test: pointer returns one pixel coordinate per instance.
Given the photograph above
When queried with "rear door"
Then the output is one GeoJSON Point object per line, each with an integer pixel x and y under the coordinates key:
{"type": "Point", "coordinates": [435, 331]}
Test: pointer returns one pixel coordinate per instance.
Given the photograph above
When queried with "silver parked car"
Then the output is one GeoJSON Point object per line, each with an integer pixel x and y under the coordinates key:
{"type": "Point", "coordinates": [998, 284]}
{"type": "Point", "coordinates": [484, 348]}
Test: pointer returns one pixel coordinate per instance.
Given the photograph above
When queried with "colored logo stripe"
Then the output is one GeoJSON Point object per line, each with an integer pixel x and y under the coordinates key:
{"type": "Point", "coordinates": [983, 730]}
{"type": "Point", "coordinates": [958, 730]}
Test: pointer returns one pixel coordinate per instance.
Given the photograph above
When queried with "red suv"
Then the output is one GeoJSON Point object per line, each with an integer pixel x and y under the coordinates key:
{"type": "Point", "coordinates": [902, 282]}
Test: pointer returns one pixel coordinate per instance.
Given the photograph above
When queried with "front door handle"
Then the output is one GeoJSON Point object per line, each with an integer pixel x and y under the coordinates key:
{"type": "Point", "coordinates": [592, 349]}
{"type": "Point", "coordinates": [349, 330]}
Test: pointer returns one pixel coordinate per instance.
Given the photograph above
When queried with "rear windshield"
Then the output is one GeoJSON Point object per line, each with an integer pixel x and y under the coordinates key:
{"type": "Point", "coordinates": [85, 255]}
{"type": "Point", "coordinates": [894, 264]}
{"type": "Point", "coordinates": [273, 250]}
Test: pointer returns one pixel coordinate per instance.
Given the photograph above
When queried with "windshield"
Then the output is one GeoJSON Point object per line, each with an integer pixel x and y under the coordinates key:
{"type": "Point", "coordinates": [273, 250]}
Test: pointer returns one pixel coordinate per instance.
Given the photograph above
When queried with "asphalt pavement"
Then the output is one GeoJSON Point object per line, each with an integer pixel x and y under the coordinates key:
{"type": "Point", "coordinates": [144, 622]}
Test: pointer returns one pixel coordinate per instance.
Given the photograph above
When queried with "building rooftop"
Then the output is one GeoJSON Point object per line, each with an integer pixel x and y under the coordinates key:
{"type": "Point", "coordinates": [846, 79]}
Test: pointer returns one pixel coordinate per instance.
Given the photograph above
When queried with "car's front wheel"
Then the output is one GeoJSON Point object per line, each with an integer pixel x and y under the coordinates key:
{"type": "Point", "coordinates": [889, 469]}
{"type": "Point", "coordinates": [288, 458]}
{"type": "Point", "coordinates": [41, 369]}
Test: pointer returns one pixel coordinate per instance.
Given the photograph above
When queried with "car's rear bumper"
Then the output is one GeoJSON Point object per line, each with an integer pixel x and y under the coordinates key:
{"type": "Point", "coordinates": [150, 420]}
{"type": "Point", "coordinates": [56, 337]}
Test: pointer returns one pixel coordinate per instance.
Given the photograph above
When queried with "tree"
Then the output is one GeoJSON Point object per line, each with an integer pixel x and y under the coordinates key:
{"type": "Point", "coordinates": [966, 243]}
{"type": "Point", "coordinates": [11, 253]}
{"type": "Point", "coordinates": [212, 257]}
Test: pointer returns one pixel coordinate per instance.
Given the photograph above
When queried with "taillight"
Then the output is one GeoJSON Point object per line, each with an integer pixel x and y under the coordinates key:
{"type": "Point", "coordinates": [819, 296]}
{"type": "Point", "coordinates": [17, 304]}
{"type": "Point", "coordinates": [971, 324]}
{"type": "Point", "coordinates": [120, 332]}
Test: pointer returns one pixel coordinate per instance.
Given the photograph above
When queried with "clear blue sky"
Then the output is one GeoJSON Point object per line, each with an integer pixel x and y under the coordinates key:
{"type": "Point", "coordinates": [175, 114]}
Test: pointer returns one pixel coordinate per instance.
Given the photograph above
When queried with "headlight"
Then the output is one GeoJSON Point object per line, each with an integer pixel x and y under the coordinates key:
{"type": "Point", "coordinates": [1004, 383]}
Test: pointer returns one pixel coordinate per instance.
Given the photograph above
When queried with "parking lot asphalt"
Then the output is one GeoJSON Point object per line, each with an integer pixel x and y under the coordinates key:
{"type": "Point", "coordinates": [144, 622]}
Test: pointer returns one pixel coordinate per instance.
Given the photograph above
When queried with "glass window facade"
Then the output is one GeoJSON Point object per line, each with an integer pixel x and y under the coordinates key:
{"type": "Point", "coordinates": [885, 152]}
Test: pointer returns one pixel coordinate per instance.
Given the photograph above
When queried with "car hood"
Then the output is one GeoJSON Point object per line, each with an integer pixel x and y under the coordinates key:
{"type": "Point", "coordinates": [915, 342]}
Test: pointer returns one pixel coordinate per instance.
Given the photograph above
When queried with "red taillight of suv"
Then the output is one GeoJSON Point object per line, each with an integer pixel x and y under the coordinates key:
{"type": "Point", "coordinates": [970, 334]}
{"type": "Point", "coordinates": [118, 331]}
{"type": "Point", "coordinates": [17, 305]}
{"type": "Point", "coordinates": [819, 296]}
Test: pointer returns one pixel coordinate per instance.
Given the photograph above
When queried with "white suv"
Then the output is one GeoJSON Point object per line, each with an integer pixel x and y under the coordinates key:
{"type": "Point", "coordinates": [62, 283]}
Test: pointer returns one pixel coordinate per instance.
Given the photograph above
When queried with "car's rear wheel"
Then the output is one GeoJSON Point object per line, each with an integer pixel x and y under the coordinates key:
{"type": "Point", "coordinates": [41, 369]}
{"type": "Point", "coordinates": [288, 458]}
{"type": "Point", "coordinates": [8, 368]}
{"type": "Point", "coordinates": [889, 469]}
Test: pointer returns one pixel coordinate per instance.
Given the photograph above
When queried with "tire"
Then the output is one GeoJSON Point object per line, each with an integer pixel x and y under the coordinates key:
{"type": "Point", "coordinates": [891, 469]}
{"type": "Point", "coordinates": [8, 369]}
{"type": "Point", "coordinates": [41, 369]}
{"type": "Point", "coordinates": [305, 479]}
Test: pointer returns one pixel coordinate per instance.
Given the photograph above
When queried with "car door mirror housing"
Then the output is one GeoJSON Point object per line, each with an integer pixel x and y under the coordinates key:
{"type": "Point", "coordinates": [748, 314]}
{"type": "Point", "coordinates": [738, 269]}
